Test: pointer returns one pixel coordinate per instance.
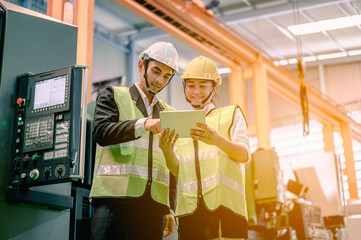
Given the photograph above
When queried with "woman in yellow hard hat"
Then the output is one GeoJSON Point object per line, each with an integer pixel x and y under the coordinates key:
{"type": "Point", "coordinates": [211, 199]}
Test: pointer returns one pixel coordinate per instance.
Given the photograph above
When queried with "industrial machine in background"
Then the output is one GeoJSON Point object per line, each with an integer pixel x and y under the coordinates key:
{"type": "Point", "coordinates": [49, 135]}
{"type": "Point", "coordinates": [45, 169]}
{"type": "Point", "coordinates": [271, 215]}
{"type": "Point", "coordinates": [49, 132]}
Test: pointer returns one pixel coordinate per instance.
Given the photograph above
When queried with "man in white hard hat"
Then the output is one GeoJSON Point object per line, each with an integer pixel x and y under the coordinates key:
{"type": "Point", "coordinates": [131, 185]}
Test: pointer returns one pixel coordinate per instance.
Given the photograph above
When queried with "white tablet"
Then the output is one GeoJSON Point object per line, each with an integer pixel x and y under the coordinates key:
{"type": "Point", "coordinates": [181, 121]}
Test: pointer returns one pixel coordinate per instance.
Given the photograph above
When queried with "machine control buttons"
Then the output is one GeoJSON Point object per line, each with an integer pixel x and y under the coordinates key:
{"type": "Point", "coordinates": [59, 117]}
{"type": "Point", "coordinates": [16, 162]}
{"type": "Point", "coordinates": [23, 175]}
{"type": "Point", "coordinates": [34, 174]}
{"type": "Point", "coordinates": [35, 157]}
{"type": "Point", "coordinates": [60, 171]}
{"type": "Point", "coordinates": [39, 133]}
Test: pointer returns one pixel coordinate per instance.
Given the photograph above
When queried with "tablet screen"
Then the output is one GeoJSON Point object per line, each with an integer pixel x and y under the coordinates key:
{"type": "Point", "coordinates": [181, 121]}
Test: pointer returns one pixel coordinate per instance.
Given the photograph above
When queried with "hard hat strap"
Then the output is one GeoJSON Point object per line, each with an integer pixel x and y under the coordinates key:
{"type": "Point", "coordinates": [198, 105]}
{"type": "Point", "coordinates": [146, 60]}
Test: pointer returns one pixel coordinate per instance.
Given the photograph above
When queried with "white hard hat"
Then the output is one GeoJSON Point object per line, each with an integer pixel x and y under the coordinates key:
{"type": "Point", "coordinates": [163, 52]}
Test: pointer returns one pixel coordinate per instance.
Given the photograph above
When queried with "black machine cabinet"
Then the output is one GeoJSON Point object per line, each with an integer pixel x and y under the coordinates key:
{"type": "Point", "coordinates": [307, 221]}
{"type": "Point", "coordinates": [48, 129]}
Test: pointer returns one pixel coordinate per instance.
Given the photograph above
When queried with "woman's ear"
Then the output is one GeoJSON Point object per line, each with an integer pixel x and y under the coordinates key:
{"type": "Point", "coordinates": [215, 88]}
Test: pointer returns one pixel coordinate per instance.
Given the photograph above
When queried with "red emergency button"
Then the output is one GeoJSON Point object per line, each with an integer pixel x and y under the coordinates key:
{"type": "Point", "coordinates": [20, 101]}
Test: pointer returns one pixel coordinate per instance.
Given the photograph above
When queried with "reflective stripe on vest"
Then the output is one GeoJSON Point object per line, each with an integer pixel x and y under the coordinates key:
{"type": "Point", "coordinates": [121, 170]}
{"type": "Point", "coordinates": [211, 182]}
{"type": "Point", "coordinates": [139, 143]}
{"type": "Point", "coordinates": [208, 154]}
{"type": "Point", "coordinates": [222, 179]}
{"type": "Point", "coordinates": [131, 169]}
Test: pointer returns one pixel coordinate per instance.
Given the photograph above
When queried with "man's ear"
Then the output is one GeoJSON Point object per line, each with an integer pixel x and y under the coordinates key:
{"type": "Point", "coordinates": [140, 65]}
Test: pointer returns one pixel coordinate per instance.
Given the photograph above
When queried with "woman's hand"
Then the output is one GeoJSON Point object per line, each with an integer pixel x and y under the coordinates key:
{"type": "Point", "coordinates": [206, 134]}
{"type": "Point", "coordinates": [167, 140]}
{"type": "Point", "coordinates": [235, 151]}
{"type": "Point", "coordinates": [166, 143]}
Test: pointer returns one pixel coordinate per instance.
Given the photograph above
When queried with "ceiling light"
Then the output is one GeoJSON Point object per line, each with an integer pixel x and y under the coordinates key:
{"type": "Point", "coordinates": [318, 57]}
{"type": "Point", "coordinates": [292, 61]}
{"type": "Point", "coordinates": [353, 53]}
{"type": "Point", "coordinates": [309, 59]}
{"type": "Point", "coordinates": [331, 55]}
{"type": "Point", "coordinates": [224, 70]}
{"type": "Point", "coordinates": [283, 62]}
{"type": "Point", "coordinates": [325, 25]}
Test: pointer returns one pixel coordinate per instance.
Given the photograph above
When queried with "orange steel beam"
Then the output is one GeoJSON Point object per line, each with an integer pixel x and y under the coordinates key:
{"type": "Point", "coordinates": [329, 145]}
{"type": "Point", "coordinates": [236, 83]}
{"type": "Point", "coordinates": [261, 104]}
{"type": "Point", "coordinates": [350, 166]}
{"type": "Point", "coordinates": [193, 26]}
{"type": "Point", "coordinates": [84, 19]}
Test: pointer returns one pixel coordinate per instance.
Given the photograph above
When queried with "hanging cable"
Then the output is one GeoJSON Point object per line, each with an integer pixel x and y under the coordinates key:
{"type": "Point", "coordinates": [301, 73]}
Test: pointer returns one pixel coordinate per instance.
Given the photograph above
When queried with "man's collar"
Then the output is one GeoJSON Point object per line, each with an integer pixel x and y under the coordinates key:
{"type": "Point", "coordinates": [145, 98]}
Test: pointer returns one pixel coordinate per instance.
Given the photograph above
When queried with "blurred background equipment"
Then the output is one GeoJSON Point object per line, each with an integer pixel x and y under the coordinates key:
{"type": "Point", "coordinates": [298, 189]}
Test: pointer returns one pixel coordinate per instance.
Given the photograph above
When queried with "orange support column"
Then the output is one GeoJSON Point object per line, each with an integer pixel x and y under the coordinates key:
{"type": "Point", "coordinates": [261, 104]}
{"type": "Point", "coordinates": [84, 19]}
{"type": "Point", "coordinates": [329, 145]}
{"type": "Point", "coordinates": [56, 8]}
{"type": "Point", "coordinates": [237, 88]}
{"type": "Point", "coordinates": [350, 164]}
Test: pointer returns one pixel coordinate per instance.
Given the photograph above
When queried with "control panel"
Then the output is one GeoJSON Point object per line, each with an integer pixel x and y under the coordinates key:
{"type": "Point", "coordinates": [49, 128]}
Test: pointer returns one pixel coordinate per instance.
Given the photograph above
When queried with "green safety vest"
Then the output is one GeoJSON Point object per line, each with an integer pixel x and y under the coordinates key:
{"type": "Point", "coordinates": [222, 180]}
{"type": "Point", "coordinates": [122, 170]}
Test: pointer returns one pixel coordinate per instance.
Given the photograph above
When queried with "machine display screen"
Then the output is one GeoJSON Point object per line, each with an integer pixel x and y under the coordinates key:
{"type": "Point", "coordinates": [50, 92]}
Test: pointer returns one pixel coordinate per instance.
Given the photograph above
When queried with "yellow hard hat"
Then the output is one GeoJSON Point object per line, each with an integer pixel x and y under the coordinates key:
{"type": "Point", "coordinates": [202, 68]}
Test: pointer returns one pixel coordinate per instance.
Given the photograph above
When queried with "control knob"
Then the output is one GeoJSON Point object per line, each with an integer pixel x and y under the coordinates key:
{"type": "Point", "coordinates": [34, 174]}
{"type": "Point", "coordinates": [60, 171]}
{"type": "Point", "coordinates": [47, 173]}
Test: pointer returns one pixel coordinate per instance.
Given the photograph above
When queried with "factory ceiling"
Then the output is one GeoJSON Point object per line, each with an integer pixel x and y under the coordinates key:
{"type": "Point", "coordinates": [262, 24]}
